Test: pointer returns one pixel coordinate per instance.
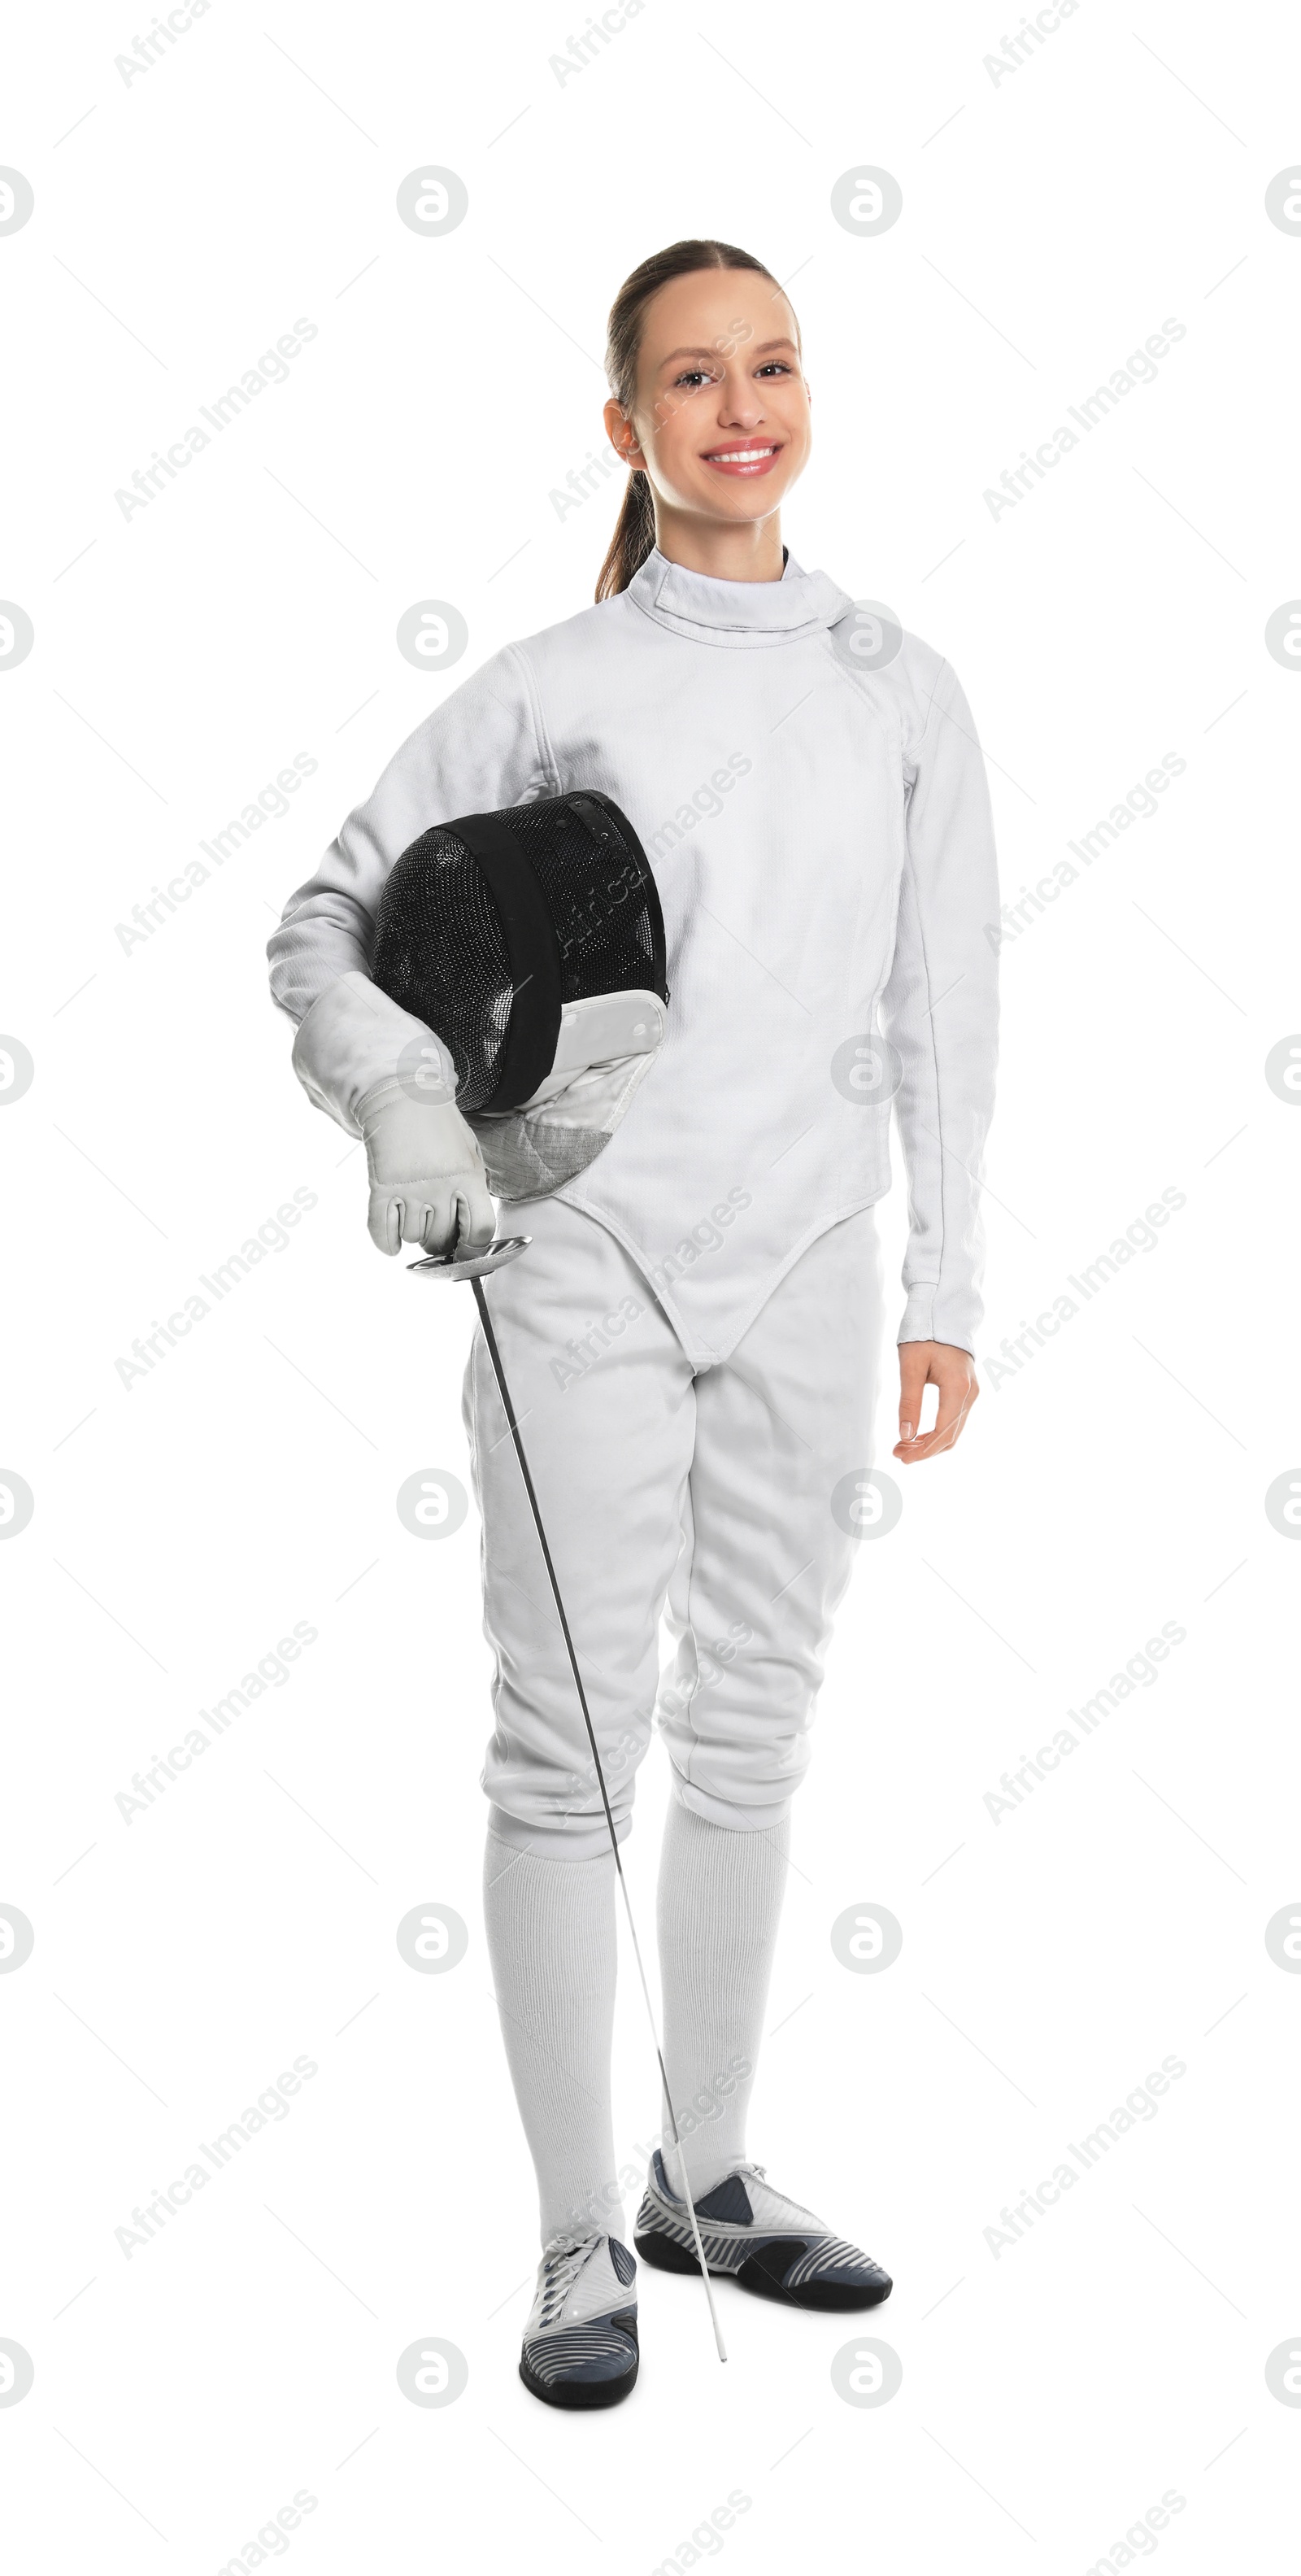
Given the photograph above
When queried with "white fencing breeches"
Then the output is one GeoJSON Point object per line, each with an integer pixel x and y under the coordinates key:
{"type": "Point", "coordinates": [704, 1496]}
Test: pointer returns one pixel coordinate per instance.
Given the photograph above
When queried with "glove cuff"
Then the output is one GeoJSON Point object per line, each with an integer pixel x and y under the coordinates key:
{"type": "Point", "coordinates": [354, 1038]}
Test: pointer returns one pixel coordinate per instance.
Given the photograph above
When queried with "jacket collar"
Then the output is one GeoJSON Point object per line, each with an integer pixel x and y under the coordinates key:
{"type": "Point", "coordinates": [705, 611]}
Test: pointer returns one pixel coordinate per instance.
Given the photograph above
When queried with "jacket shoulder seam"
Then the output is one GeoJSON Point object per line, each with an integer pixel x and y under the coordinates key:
{"type": "Point", "coordinates": [944, 672]}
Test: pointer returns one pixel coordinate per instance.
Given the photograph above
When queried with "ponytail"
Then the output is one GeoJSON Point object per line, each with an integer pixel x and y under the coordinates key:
{"type": "Point", "coordinates": [633, 539]}
{"type": "Point", "coordinates": [634, 535]}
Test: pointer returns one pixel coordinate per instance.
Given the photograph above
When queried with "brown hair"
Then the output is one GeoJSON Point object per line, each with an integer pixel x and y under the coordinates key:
{"type": "Point", "coordinates": [634, 534]}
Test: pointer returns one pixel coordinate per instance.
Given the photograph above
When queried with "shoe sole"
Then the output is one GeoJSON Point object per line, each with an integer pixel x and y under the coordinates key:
{"type": "Point", "coordinates": [664, 2254]}
{"type": "Point", "coordinates": [579, 2393]}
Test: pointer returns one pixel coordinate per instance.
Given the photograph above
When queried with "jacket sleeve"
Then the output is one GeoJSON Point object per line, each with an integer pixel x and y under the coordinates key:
{"type": "Point", "coordinates": [483, 748]}
{"type": "Point", "coordinates": [940, 1012]}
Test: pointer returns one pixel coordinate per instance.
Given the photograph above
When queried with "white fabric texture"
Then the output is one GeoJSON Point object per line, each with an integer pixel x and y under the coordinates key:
{"type": "Point", "coordinates": [552, 1945]}
{"type": "Point", "coordinates": [354, 1037]}
{"type": "Point", "coordinates": [821, 841]}
{"type": "Point", "coordinates": [719, 1901]}
{"type": "Point", "coordinates": [710, 1496]}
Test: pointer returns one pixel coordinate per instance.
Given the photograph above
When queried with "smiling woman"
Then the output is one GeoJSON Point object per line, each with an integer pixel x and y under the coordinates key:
{"type": "Point", "coordinates": [709, 399]}
{"type": "Point", "coordinates": [688, 1464]}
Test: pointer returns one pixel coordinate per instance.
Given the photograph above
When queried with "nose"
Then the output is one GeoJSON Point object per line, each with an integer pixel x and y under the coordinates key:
{"type": "Point", "coordinates": [740, 404]}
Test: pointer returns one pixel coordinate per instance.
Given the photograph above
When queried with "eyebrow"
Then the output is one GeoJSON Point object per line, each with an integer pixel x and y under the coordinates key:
{"type": "Point", "coordinates": [759, 352]}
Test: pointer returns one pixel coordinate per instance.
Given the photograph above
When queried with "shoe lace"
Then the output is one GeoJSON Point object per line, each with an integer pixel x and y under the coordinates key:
{"type": "Point", "coordinates": [561, 2265]}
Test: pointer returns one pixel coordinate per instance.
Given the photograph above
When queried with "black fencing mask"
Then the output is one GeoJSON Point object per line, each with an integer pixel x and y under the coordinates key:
{"type": "Point", "coordinates": [531, 943]}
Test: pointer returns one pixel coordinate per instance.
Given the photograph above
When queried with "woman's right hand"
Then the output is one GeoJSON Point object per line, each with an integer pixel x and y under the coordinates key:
{"type": "Point", "coordinates": [427, 1181]}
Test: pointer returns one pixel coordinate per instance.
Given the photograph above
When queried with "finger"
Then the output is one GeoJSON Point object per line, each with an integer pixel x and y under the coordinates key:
{"type": "Point", "coordinates": [469, 1237]}
{"type": "Point", "coordinates": [476, 1215]}
{"type": "Point", "coordinates": [415, 1215]}
{"type": "Point", "coordinates": [444, 1233]}
{"type": "Point", "coordinates": [913, 1372]}
{"type": "Point", "coordinates": [955, 1404]}
{"type": "Point", "coordinates": [384, 1222]}
{"type": "Point", "coordinates": [437, 1232]}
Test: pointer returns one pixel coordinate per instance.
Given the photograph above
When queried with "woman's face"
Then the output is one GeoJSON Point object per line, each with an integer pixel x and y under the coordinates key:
{"type": "Point", "coordinates": [721, 417]}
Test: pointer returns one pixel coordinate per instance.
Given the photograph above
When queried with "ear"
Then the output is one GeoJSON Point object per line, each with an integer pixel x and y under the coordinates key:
{"type": "Point", "coordinates": [621, 435]}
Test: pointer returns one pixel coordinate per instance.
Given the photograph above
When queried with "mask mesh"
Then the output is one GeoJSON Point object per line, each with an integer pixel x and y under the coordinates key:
{"type": "Point", "coordinates": [440, 949]}
{"type": "Point", "coordinates": [596, 895]}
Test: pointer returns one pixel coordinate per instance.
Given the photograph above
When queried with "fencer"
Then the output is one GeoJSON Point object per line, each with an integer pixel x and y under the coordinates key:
{"type": "Point", "coordinates": [694, 1334]}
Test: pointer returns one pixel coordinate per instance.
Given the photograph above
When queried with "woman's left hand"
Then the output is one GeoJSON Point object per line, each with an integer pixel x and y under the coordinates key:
{"type": "Point", "coordinates": [939, 1364]}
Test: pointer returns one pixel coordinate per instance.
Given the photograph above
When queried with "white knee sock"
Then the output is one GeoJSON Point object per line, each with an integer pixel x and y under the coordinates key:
{"type": "Point", "coordinates": [719, 1900]}
{"type": "Point", "coordinates": [552, 1944]}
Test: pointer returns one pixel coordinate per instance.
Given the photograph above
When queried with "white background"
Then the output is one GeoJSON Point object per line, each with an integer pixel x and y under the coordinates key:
{"type": "Point", "coordinates": [1051, 221]}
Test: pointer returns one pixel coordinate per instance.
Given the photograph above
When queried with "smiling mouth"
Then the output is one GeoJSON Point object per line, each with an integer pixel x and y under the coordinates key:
{"type": "Point", "coordinates": [754, 459]}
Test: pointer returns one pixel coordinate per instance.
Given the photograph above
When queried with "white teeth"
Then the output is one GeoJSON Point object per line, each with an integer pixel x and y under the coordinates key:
{"type": "Point", "coordinates": [739, 455]}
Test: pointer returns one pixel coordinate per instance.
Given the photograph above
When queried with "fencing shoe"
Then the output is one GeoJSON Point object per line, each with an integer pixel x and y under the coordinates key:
{"type": "Point", "coordinates": [755, 2236]}
{"type": "Point", "coordinates": [580, 2343]}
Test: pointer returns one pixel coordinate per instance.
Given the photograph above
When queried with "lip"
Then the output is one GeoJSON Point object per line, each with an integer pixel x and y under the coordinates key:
{"type": "Point", "coordinates": [727, 460]}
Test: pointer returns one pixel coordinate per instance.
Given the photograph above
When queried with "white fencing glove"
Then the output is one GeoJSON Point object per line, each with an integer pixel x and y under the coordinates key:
{"type": "Point", "coordinates": [427, 1181]}
{"type": "Point", "coordinates": [384, 1076]}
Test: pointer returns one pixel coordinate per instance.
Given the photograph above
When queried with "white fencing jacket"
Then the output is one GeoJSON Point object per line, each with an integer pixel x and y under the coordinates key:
{"type": "Point", "coordinates": [820, 836]}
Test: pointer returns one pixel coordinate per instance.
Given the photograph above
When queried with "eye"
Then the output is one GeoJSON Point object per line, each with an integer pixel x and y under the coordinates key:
{"type": "Point", "coordinates": [693, 376]}
{"type": "Point", "coordinates": [777, 367]}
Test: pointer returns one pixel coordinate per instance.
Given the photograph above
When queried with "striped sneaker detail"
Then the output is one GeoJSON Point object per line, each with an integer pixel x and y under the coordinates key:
{"type": "Point", "coordinates": [780, 2251]}
{"type": "Point", "coordinates": [580, 2343]}
{"type": "Point", "coordinates": [831, 2254]}
{"type": "Point", "coordinates": [602, 2351]}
